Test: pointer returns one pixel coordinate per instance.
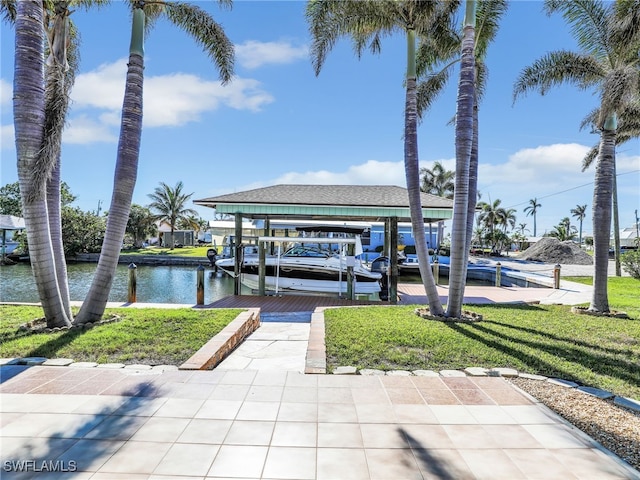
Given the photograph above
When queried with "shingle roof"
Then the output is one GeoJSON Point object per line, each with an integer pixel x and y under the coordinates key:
{"type": "Point", "coordinates": [329, 195]}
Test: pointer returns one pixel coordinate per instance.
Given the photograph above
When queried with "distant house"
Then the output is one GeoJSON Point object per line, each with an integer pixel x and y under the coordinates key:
{"type": "Point", "coordinates": [628, 237]}
{"type": "Point", "coordinates": [9, 226]}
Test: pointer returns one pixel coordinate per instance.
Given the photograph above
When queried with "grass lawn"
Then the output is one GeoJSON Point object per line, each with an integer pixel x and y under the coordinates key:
{"type": "Point", "coordinates": [150, 336]}
{"type": "Point", "coordinates": [547, 340]}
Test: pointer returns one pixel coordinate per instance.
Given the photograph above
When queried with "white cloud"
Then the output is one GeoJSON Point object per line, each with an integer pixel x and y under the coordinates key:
{"type": "Point", "coordinates": [85, 130]}
{"type": "Point", "coordinates": [169, 100]}
{"type": "Point", "coordinates": [551, 173]}
{"type": "Point", "coordinates": [7, 137]}
{"type": "Point", "coordinates": [6, 93]}
{"type": "Point", "coordinates": [252, 54]}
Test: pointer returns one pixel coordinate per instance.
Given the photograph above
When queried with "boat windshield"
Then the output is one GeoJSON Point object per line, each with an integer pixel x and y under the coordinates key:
{"type": "Point", "coordinates": [305, 251]}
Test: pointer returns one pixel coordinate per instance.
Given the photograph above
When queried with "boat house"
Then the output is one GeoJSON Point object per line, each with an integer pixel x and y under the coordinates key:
{"type": "Point", "coordinates": [347, 203]}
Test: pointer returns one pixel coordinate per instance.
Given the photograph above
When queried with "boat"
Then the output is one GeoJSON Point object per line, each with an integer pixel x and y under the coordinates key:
{"type": "Point", "coordinates": [303, 268]}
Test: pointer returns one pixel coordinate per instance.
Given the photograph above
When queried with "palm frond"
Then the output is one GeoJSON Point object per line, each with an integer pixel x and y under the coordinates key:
{"type": "Point", "coordinates": [618, 90]}
{"type": "Point", "coordinates": [625, 23]}
{"type": "Point", "coordinates": [590, 120]}
{"type": "Point", "coordinates": [8, 9]}
{"type": "Point", "coordinates": [556, 68]}
{"type": "Point", "coordinates": [488, 16]}
{"type": "Point", "coordinates": [438, 46]}
{"type": "Point", "coordinates": [430, 89]}
{"type": "Point", "coordinates": [590, 157]}
{"type": "Point", "coordinates": [208, 33]}
{"type": "Point", "coordinates": [589, 24]}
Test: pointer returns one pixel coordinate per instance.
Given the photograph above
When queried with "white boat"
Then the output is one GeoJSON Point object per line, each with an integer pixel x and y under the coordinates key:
{"type": "Point", "coordinates": [303, 268]}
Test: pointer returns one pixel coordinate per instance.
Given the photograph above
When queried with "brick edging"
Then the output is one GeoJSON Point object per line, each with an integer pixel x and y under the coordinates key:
{"type": "Point", "coordinates": [222, 344]}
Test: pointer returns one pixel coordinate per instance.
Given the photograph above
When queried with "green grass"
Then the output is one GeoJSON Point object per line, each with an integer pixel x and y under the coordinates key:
{"type": "Point", "coordinates": [547, 340]}
{"type": "Point", "coordinates": [148, 336]}
{"type": "Point", "coordinates": [176, 252]}
{"type": "Point", "coordinates": [624, 293]}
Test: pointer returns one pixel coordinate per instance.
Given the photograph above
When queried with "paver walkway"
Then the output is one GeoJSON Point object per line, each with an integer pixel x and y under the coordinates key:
{"type": "Point", "coordinates": [257, 417]}
{"type": "Point", "coordinates": [283, 425]}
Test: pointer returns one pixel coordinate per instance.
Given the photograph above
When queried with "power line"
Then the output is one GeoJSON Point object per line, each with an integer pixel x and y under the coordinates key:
{"type": "Point", "coordinates": [569, 189]}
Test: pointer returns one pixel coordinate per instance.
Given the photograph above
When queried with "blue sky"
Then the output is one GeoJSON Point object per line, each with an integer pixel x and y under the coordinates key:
{"type": "Point", "coordinates": [276, 122]}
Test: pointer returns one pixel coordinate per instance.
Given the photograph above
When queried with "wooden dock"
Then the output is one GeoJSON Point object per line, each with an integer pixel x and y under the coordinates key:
{"type": "Point", "coordinates": [287, 303]}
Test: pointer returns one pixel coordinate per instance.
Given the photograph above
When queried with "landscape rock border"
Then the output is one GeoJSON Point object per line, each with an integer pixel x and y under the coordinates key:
{"type": "Point", "coordinates": [466, 316]}
{"type": "Point", "coordinates": [593, 313]}
{"type": "Point", "coordinates": [39, 325]}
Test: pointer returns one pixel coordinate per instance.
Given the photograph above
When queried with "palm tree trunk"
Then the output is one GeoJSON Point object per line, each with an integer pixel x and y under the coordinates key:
{"type": "Point", "coordinates": [464, 143]}
{"type": "Point", "coordinates": [58, 85]}
{"type": "Point", "coordinates": [54, 207]}
{"type": "Point", "coordinates": [29, 122]}
{"type": "Point", "coordinates": [412, 173]}
{"type": "Point", "coordinates": [616, 222]}
{"type": "Point", "coordinates": [602, 200]}
{"type": "Point", "coordinates": [126, 173]}
{"type": "Point", "coordinates": [473, 184]}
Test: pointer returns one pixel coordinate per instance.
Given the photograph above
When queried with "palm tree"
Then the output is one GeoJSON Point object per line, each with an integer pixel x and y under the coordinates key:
{"type": "Point", "coordinates": [366, 22]}
{"type": "Point", "coordinates": [579, 212]}
{"type": "Point", "coordinates": [169, 205]}
{"type": "Point", "coordinates": [437, 180]}
{"type": "Point", "coordinates": [39, 170]}
{"type": "Point", "coordinates": [437, 56]}
{"type": "Point", "coordinates": [522, 227]}
{"type": "Point", "coordinates": [563, 232]}
{"type": "Point", "coordinates": [628, 128]}
{"type": "Point", "coordinates": [608, 35]}
{"type": "Point", "coordinates": [532, 209]}
{"type": "Point", "coordinates": [492, 217]}
{"type": "Point", "coordinates": [210, 35]}
{"type": "Point", "coordinates": [29, 121]}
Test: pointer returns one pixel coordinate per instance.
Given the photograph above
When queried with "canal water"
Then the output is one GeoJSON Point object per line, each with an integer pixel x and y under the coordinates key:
{"type": "Point", "coordinates": [155, 284]}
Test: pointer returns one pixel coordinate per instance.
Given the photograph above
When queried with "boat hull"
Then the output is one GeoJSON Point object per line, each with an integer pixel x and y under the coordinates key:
{"type": "Point", "coordinates": [300, 275]}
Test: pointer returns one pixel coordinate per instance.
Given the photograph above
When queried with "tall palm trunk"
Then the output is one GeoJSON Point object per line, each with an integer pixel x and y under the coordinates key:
{"type": "Point", "coordinates": [29, 121]}
{"type": "Point", "coordinates": [473, 184]}
{"type": "Point", "coordinates": [616, 222]}
{"type": "Point", "coordinates": [602, 199]}
{"type": "Point", "coordinates": [54, 207]}
{"type": "Point", "coordinates": [58, 85]}
{"type": "Point", "coordinates": [126, 173]}
{"type": "Point", "coordinates": [464, 143]}
{"type": "Point", "coordinates": [412, 172]}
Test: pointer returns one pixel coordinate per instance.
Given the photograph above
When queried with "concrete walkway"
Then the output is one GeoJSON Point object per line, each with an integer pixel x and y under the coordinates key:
{"type": "Point", "coordinates": [134, 425]}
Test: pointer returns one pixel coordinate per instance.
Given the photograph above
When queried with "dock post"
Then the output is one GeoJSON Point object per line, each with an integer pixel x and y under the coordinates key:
{"type": "Point", "coordinates": [556, 276]}
{"type": "Point", "coordinates": [436, 270]}
{"type": "Point", "coordinates": [200, 286]}
{"type": "Point", "coordinates": [262, 269]}
{"type": "Point", "coordinates": [132, 297]}
{"type": "Point", "coordinates": [351, 278]}
{"type": "Point", "coordinates": [237, 249]}
{"type": "Point", "coordinates": [498, 274]}
{"type": "Point", "coordinates": [393, 260]}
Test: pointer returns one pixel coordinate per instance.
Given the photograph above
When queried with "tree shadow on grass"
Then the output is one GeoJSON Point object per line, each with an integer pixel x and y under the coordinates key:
{"type": "Point", "coordinates": [551, 336]}
{"type": "Point", "coordinates": [599, 363]}
{"type": "Point", "coordinates": [70, 442]}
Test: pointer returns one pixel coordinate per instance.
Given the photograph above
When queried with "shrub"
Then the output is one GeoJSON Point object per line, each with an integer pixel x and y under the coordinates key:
{"type": "Point", "coordinates": [631, 263]}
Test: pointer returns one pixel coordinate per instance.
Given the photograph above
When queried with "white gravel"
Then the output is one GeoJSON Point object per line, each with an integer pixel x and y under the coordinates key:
{"type": "Point", "coordinates": [614, 427]}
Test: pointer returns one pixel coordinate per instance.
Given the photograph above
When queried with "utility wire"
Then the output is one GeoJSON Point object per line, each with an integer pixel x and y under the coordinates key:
{"type": "Point", "coordinates": [569, 189]}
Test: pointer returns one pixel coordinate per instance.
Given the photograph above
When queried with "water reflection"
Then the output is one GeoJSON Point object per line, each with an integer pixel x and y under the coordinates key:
{"type": "Point", "coordinates": [156, 284]}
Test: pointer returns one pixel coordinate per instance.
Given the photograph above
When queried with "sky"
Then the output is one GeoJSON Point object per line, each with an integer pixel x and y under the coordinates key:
{"type": "Point", "coordinates": [277, 122]}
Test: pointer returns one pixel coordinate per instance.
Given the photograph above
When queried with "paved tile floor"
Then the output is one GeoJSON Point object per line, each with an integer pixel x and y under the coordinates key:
{"type": "Point", "coordinates": [270, 424]}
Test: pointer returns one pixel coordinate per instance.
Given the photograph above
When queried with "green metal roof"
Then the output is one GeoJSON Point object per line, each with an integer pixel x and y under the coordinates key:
{"type": "Point", "coordinates": [353, 202]}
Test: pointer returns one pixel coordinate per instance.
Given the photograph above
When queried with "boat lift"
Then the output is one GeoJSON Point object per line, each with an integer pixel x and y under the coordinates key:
{"type": "Point", "coordinates": [350, 259]}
